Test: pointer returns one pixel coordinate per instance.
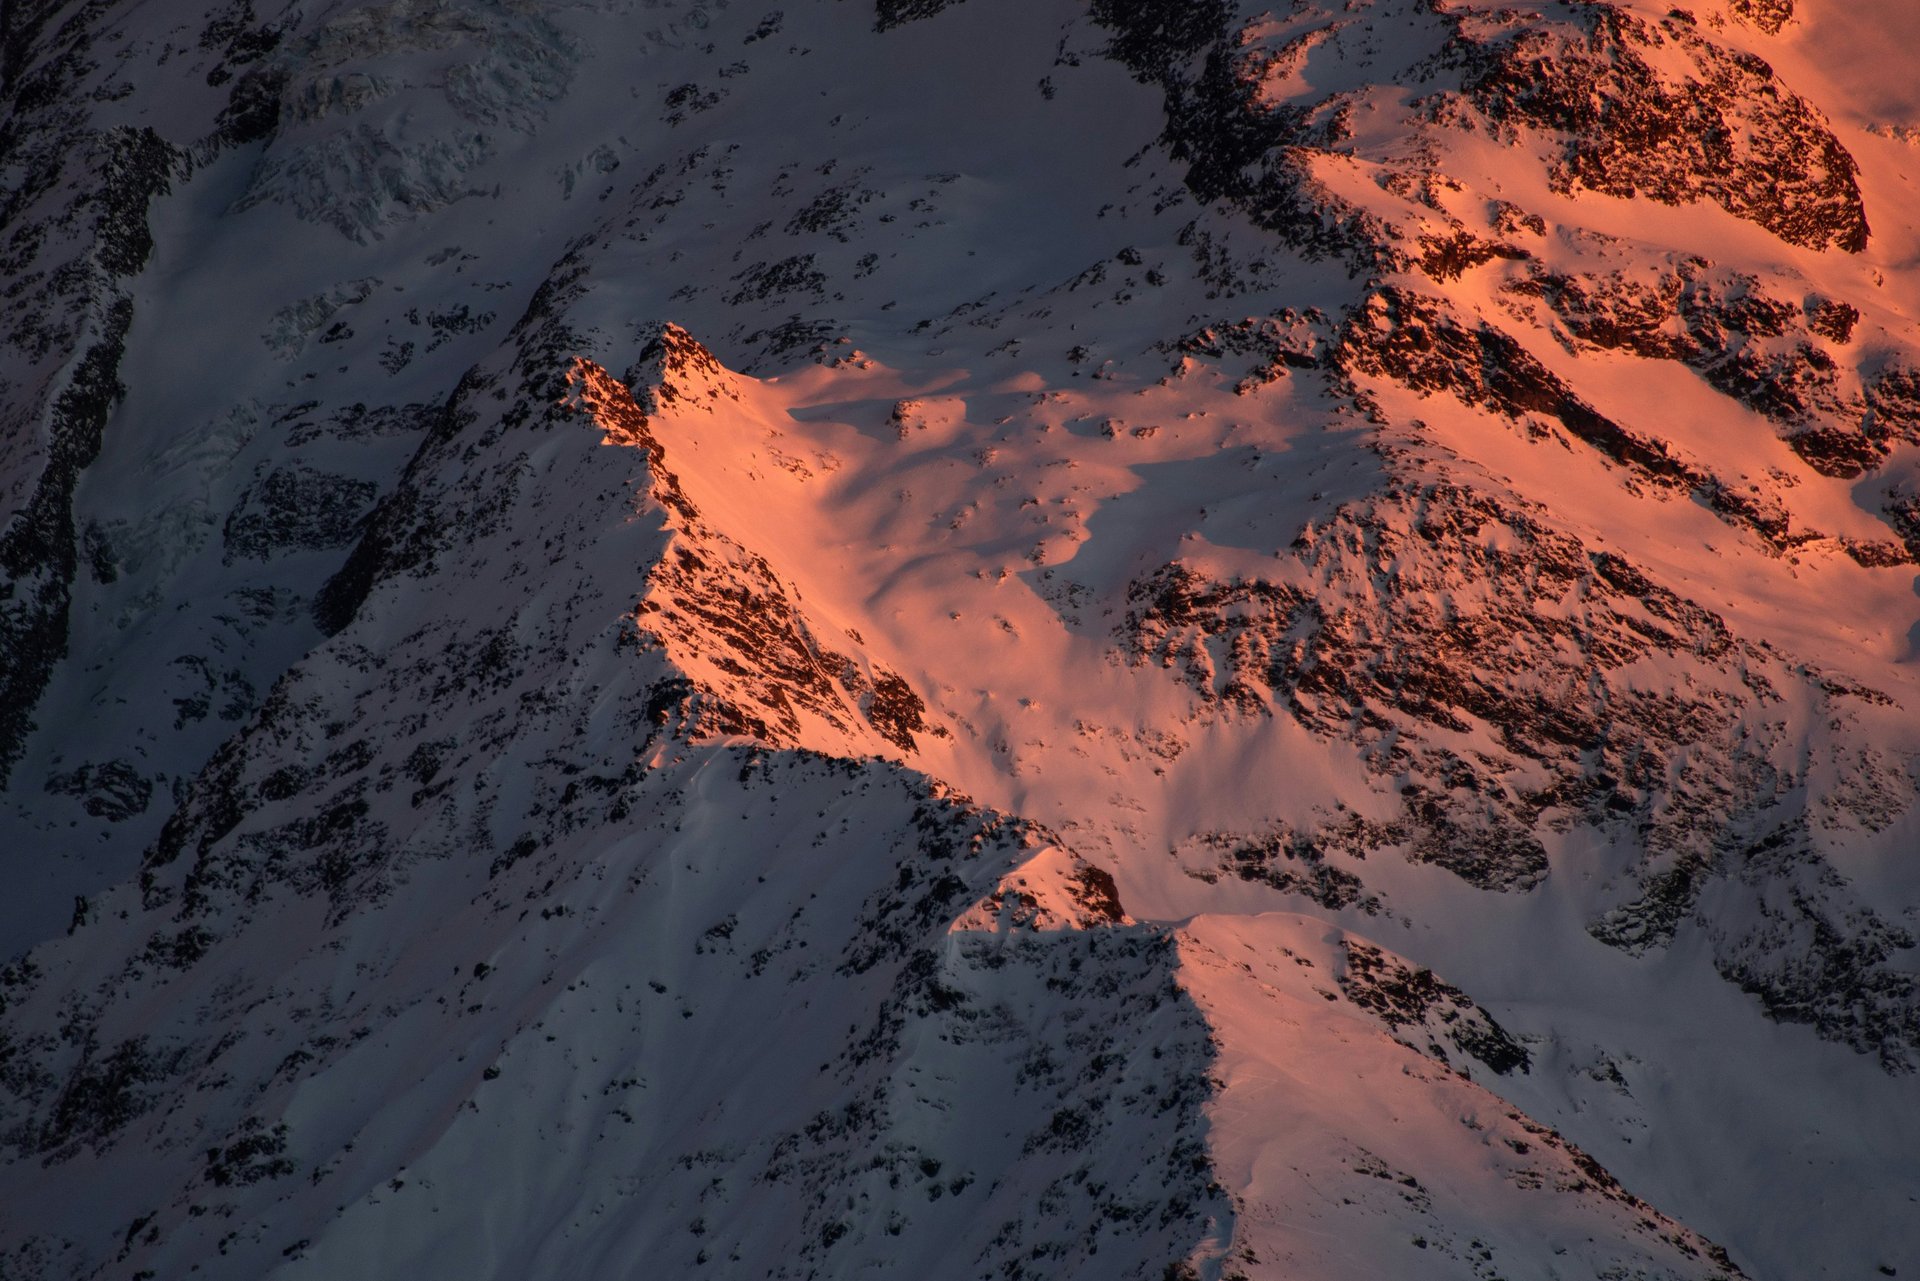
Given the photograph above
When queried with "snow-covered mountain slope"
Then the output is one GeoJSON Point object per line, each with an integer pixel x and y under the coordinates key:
{"type": "Point", "coordinates": [812, 1012]}
{"type": "Point", "coordinates": [1051, 639]}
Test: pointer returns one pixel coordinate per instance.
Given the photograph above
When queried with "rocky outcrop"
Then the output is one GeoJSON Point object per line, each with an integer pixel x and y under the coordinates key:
{"type": "Point", "coordinates": [1497, 640]}
{"type": "Point", "coordinates": [1294, 862]}
{"type": "Point", "coordinates": [1723, 129]}
{"type": "Point", "coordinates": [75, 226]}
{"type": "Point", "coordinates": [1406, 997]}
{"type": "Point", "coordinates": [296, 509]}
{"type": "Point", "coordinates": [1773, 356]}
{"type": "Point", "coordinates": [1498, 677]}
{"type": "Point", "coordinates": [755, 665]}
{"type": "Point", "coordinates": [713, 643]}
{"type": "Point", "coordinates": [891, 13]}
{"type": "Point", "coordinates": [112, 790]}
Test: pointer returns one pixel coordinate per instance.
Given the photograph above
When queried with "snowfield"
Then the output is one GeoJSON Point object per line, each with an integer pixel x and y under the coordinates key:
{"type": "Point", "coordinates": [966, 638]}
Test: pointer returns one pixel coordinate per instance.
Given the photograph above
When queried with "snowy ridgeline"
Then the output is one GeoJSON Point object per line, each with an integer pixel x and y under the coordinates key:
{"type": "Point", "coordinates": [662, 639]}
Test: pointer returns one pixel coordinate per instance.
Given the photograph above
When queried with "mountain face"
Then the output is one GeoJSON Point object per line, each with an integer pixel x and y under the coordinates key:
{"type": "Point", "coordinates": [1141, 638]}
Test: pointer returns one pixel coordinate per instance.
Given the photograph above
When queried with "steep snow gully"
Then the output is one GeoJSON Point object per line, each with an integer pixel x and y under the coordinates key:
{"type": "Point", "coordinates": [1167, 639]}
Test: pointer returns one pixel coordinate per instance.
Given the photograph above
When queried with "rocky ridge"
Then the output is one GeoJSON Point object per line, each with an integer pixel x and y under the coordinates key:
{"type": "Point", "coordinates": [373, 774]}
{"type": "Point", "coordinates": [530, 635]}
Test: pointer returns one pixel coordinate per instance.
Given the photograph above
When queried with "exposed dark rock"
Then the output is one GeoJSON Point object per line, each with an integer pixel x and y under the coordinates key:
{"type": "Point", "coordinates": [39, 549]}
{"type": "Point", "coordinates": [96, 186]}
{"type": "Point", "coordinates": [712, 598]}
{"type": "Point", "coordinates": [1768, 15]}
{"type": "Point", "coordinates": [891, 13]}
{"type": "Point", "coordinates": [399, 536]}
{"type": "Point", "coordinates": [296, 509]}
{"type": "Point", "coordinates": [1237, 148]}
{"type": "Point", "coordinates": [1832, 451]}
{"type": "Point", "coordinates": [1098, 894]}
{"type": "Point", "coordinates": [112, 790]}
{"type": "Point", "coordinates": [1752, 347]}
{"type": "Point", "coordinates": [1449, 257]}
{"type": "Point", "coordinates": [1834, 965]}
{"type": "Point", "coordinates": [1893, 395]}
{"type": "Point", "coordinates": [896, 711]}
{"type": "Point", "coordinates": [1404, 998]}
{"type": "Point", "coordinates": [1262, 350]}
{"type": "Point", "coordinates": [1417, 341]}
{"type": "Point", "coordinates": [103, 1092]}
{"type": "Point", "coordinates": [1294, 863]}
{"type": "Point", "coordinates": [1726, 131]}
{"type": "Point", "coordinates": [1833, 320]}
{"type": "Point", "coordinates": [253, 1153]}
{"type": "Point", "coordinates": [1441, 613]}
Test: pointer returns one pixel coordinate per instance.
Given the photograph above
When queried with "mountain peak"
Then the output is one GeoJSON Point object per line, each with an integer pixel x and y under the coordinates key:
{"type": "Point", "coordinates": [1221, 641]}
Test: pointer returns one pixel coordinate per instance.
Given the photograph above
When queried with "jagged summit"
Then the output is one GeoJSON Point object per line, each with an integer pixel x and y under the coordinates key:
{"type": "Point", "coordinates": [721, 611]}
{"type": "Point", "coordinates": [1220, 640]}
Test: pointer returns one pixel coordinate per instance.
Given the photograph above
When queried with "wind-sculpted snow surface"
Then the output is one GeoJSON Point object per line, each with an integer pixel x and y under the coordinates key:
{"type": "Point", "coordinates": [473, 846]}
{"type": "Point", "coordinates": [966, 638]}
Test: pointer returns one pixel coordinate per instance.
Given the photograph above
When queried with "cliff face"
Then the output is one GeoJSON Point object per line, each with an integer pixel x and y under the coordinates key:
{"type": "Point", "coordinates": [1129, 639]}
